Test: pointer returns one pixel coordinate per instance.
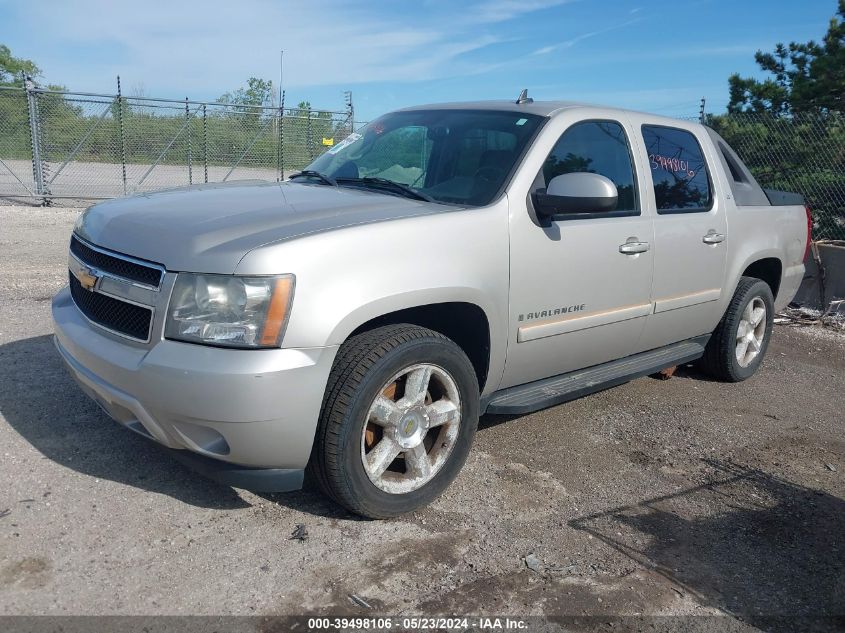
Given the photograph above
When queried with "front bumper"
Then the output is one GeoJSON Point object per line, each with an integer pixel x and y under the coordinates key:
{"type": "Point", "coordinates": [248, 413]}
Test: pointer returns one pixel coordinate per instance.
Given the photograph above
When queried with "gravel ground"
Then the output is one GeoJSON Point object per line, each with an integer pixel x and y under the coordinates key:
{"type": "Point", "coordinates": [683, 497]}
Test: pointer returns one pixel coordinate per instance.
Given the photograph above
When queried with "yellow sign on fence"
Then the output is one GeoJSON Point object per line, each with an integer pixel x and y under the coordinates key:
{"type": "Point", "coordinates": [328, 142]}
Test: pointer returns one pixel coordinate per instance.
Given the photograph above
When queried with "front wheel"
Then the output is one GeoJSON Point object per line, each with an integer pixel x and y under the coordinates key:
{"type": "Point", "coordinates": [739, 343]}
{"type": "Point", "coordinates": [398, 419]}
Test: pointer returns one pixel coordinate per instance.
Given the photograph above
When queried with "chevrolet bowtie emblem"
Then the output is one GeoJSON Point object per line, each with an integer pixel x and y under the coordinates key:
{"type": "Point", "coordinates": [87, 278]}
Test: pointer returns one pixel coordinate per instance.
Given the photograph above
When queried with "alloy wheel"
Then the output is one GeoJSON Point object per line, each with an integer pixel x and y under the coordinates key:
{"type": "Point", "coordinates": [411, 428]}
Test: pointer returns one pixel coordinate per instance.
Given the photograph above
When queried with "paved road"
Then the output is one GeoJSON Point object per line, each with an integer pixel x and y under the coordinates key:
{"type": "Point", "coordinates": [683, 496]}
{"type": "Point", "coordinates": [105, 180]}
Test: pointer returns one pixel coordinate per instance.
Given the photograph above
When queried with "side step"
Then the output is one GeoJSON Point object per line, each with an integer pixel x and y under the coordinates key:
{"type": "Point", "coordinates": [557, 389]}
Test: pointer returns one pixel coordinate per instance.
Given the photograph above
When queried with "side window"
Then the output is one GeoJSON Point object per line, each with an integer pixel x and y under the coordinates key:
{"type": "Point", "coordinates": [678, 170]}
{"type": "Point", "coordinates": [600, 147]}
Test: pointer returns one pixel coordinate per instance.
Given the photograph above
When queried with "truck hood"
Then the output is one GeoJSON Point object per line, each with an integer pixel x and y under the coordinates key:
{"type": "Point", "coordinates": [209, 228]}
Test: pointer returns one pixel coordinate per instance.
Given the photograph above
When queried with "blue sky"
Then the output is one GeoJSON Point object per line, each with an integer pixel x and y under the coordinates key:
{"type": "Point", "coordinates": [655, 55]}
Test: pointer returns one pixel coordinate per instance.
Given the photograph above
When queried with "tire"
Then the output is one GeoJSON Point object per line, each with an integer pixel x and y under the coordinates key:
{"type": "Point", "coordinates": [351, 426]}
{"type": "Point", "coordinates": [722, 355]}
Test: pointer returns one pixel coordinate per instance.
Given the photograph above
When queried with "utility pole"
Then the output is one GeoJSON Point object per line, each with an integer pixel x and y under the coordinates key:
{"type": "Point", "coordinates": [281, 72]}
{"type": "Point", "coordinates": [280, 161]}
{"type": "Point", "coordinates": [701, 111]}
{"type": "Point", "coordinates": [350, 110]}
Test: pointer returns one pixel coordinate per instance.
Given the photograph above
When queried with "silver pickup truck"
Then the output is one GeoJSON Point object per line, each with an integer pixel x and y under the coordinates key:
{"type": "Point", "coordinates": [443, 262]}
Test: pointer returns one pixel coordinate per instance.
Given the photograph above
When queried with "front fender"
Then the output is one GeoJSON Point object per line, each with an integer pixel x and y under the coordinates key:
{"type": "Point", "coordinates": [406, 300]}
{"type": "Point", "coordinates": [347, 277]}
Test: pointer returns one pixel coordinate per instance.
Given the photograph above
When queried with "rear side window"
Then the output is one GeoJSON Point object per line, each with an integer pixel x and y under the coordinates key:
{"type": "Point", "coordinates": [678, 170]}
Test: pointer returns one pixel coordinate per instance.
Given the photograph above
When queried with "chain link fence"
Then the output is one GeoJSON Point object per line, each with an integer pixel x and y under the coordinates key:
{"type": "Point", "coordinates": [16, 174]}
{"type": "Point", "coordinates": [78, 145]}
{"type": "Point", "coordinates": [81, 146]}
{"type": "Point", "coordinates": [801, 153]}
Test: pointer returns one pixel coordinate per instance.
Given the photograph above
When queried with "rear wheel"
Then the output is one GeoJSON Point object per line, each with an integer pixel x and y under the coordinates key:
{"type": "Point", "coordinates": [400, 412]}
{"type": "Point", "coordinates": [738, 345]}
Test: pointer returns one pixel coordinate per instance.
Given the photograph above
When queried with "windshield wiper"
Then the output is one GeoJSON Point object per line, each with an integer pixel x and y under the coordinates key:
{"type": "Point", "coordinates": [391, 185]}
{"type": "Point", "coordinates": [310, 173]}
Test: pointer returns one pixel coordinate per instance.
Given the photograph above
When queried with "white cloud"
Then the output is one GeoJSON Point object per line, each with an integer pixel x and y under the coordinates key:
{"type": "Point", "coordinates": [189, 47]}
{"type": "Point", "coordinates": [579, 38]}
{"type": "Point", "coordinates": [503, 10]}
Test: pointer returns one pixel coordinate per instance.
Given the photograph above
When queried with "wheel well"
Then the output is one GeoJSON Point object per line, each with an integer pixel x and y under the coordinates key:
{"type": "Point", "coordinates": [464, 323]}
{"type": "Point", "coordinates": [769, 270]}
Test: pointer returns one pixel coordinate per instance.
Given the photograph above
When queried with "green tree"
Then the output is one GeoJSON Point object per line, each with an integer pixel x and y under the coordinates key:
{"type": "Point", "coordinates": [805, 77]}
{"type": "Point", "coordinates": [11, 67]}
{"type": "Point", "coordinates": [305, 129]}
{"type": "Point", "coordinates": [258, 92]}
{"type": "Point", "coordinates": [789, 128]}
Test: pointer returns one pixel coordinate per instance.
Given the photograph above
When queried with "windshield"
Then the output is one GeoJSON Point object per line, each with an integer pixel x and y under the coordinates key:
{"type": "Point", "coordinates": [453, 156]}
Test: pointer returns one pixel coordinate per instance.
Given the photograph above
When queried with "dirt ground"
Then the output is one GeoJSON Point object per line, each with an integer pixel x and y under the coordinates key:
{"type": "Point", "coordinates": [678, 497]}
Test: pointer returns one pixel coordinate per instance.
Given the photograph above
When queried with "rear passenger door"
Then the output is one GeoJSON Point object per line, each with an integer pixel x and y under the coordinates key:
{"type": "Point", "coordinates": [690, 234]}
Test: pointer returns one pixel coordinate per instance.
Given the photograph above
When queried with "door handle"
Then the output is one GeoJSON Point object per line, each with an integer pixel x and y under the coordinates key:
{"type": "Point", "coordinates": [713, 238]}
{"type": "Point", "coordinates": [634, 248]}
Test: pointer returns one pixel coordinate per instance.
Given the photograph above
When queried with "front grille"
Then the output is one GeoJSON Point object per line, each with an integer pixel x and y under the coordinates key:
{"type": "Point", "coordinates": [119, 316]}
{"type": "Point", "coordinates": [115, 265]}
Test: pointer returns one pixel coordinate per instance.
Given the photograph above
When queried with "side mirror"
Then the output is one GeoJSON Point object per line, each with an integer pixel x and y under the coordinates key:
{"type": "Point", "coordinates": [579, 192]}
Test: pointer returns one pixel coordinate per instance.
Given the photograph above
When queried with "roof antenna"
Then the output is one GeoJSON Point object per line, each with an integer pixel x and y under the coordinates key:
{"type": "Point", "coordinates": [523, 97]}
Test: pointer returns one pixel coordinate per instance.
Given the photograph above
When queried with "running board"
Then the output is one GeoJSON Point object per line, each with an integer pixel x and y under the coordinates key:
{"type": "Point", "coordinates": [549, 392]}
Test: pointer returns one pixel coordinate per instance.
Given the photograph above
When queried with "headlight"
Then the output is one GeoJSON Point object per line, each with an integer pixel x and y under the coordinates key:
{"type": "Point", "coordinates": [230, 311]}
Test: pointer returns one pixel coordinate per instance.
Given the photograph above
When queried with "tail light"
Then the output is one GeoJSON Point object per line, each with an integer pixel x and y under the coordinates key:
{"type": "Point", "coordinates": [809, 232]}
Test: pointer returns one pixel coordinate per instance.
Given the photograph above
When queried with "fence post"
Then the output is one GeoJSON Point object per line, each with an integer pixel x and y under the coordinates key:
{"type": "Point", "coordinates": [35, 137]}
{"type": "Point", "coordinates": [350, 110]}
{"type": "Point", "coordinates": [281, 153]}
{"type": "Point", "coordinates": [204, 143]}
{"type": "Point", "coordinates": [309, 137]}
{"type": "Point", "coordinates": [188, 131]}
{"type": "Point", "coordinates": [122, 133]}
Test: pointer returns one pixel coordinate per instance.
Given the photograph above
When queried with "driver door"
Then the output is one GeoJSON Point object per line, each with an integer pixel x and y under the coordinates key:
{"type": "Point", "coordinates": [576, 299]}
